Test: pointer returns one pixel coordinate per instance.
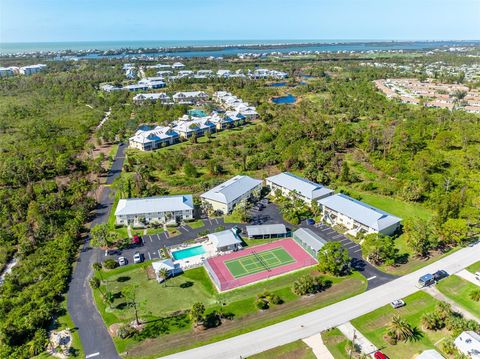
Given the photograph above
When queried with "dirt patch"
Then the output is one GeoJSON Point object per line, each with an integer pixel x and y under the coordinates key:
{"type": "Point", "coordinates": [185, 340]}
{"type": "Point", "coordinates": [151, 273]}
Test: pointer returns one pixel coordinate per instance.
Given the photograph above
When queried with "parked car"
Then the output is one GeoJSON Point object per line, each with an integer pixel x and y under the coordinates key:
{"type": "Point", "coordinates": [137, 240]}
{"type": "Point", "coordinates": [438, 275]}
{"type": "Point", "coordinates": [137, 257]}
{"type": "Point", "coordinates": [113, 252]}
{"type": "Point", "coordinates": [122, 261]}
{"type": "Point", "coordinates": [379, 355]}
{"type": "Point", "coordinates": [426, 281]}
{"type": "Point", "coordinates": [310, 221]}
{"type": "Point", "coordinates": [397, 303]}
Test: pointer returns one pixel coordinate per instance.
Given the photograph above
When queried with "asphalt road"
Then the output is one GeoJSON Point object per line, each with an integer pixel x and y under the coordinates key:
{"type": "Point", "coordinates": [96, 340]}
{"type": "Point", "coordinates": [336, 314]}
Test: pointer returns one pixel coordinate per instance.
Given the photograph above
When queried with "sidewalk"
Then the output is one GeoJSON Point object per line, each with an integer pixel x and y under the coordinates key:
{"type": "Point", "coordinates": [319, 349]}
{"type": "Point", "coordinates": [469, 276]}
{"type": "Point", "coordinates": [365, 345]}
{"type": "Point", "coordinates": [434, 292]}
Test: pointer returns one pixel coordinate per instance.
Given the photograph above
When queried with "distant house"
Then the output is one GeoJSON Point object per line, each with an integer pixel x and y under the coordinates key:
{"type": "Point", "coordinates": [152, 82]}
{"type": "Point", "coordinates": [32, 69]}
{"type": "Point", "coordinates": [141, 211]}
{"type": "Point", "coordinates": [224, 73]}
{"type": "Point", "coordinates": [168, 264]}
{"type": "Point", "coordinates": [227, 240]}
{"type": "Point", "coordinates": [109, 88]}
{"type": "Point", "coordinates": [136, 87]}
{"type": "Point", "coordinates": [263, 231]}
{"type": "Point", "coordinates": [291, 185]}
{"type": "Point", "coordinates": [178, 65]}
{"type": "Point", "coordinates": [309, 240]}
{"type": "Point", "coordinates": [190, 97]}
{"type": "Point", "coordinates": [199, 126]}
{"type": "Point", "coordinates": [161, 97]}
{"type": "Point", "coordinates": [356, 216]}
{"type": "Point", "coordinates": [225, 196]}
{"type": "Point", "coordinates": [6, 72]}
{"type": "Point", "coordinates": [152, 139]}
{"type": "Point", "coordinates": [221, 121]}
{"type": "Point", "coordinates": [468, 343]}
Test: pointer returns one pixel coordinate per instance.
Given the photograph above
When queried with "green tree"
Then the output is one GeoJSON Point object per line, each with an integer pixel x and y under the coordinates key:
{"type": "Point", "coordinates": [334, 259]}
{"type": "Point", "coordinates": [163, 273]}
{"type": "Point", "coordinates": [419, 236]}
{"type": "Point", "coordinates": [379, 249]}
{"type": "Point", "coordinates": [101, 235]}
{"type": "Point", "coordinates": [455, 231]}
{"type": "Point", "coordinates": [399, 329]}
{"type": "Point", "coordinates": [197, 313]}
{"type": "Point", "coordinates": [189, 170]}
{"type": "Point", "coordinates": [130, 295]}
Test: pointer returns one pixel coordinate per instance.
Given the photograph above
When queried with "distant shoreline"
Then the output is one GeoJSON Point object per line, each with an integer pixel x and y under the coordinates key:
{"type": "Point", "coordinates": [231, 47]}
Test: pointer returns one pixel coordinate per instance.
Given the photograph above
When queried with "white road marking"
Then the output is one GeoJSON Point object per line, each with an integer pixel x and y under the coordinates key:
{"type": "Point", "coordinates": [372, 277]}
{"type": "Point", "coordinates": [150, 237]}
{"type": "Point", "coordinates": [185, 228]}
{"type": "Point", "coordinates": [345, 240]}
{"type": "Point", "coordinates": [92, 355]}
{"type": "Point", "coordinates": [158, 236]}
{"type": "Point", "coordinates": [159, 254]}
{"type": "Point", "coordinates": [358, 250]}
{"type": "Point", "coordinates": [149, 256]}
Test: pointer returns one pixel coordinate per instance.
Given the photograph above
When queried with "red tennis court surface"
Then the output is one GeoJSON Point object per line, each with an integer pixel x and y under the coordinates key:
{"type": "Point", "coordinates": [224, 280]}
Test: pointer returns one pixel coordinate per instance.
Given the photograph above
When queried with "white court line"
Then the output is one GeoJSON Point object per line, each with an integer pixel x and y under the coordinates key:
{"type": "Point", "coordinates": [372, 277]}
{"type": "Point", "coordinates": [92, 355]}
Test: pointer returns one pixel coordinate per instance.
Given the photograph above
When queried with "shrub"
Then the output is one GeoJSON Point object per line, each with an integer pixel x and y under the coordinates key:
{"type": "Point", "coordinates": [475, 295]}
{"type": "Point", "coordinates": [308, 284]}
{"type": "Point", "coordinates": [95, 283]}
{"type": "Point", "coordinates": [432, 321]}
{"type": "Point", "coordinates": [126, 331]}
{"type": "Point", "coordinates": [262, 304]}
{"type": "Point", "coordinates": [97, 266]}
{"type": "Point", "coordinates": [110, 264]}
{"type": "Point", "coordinates": [275, 299]}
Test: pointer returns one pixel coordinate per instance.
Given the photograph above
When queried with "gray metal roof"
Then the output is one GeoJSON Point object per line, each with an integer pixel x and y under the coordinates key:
{"type": "Point", "coordinates": [135, 206]}
{"type": "Point", "coordinates": [430, 354]}
{"type": "Point", "coordinates": [310, 238]}
{"type": "Point", "coordinates": [306, 188]}
{"type": "Point", "coordinates": [361, 212]}
{"type": "Point", "coordinates": [266, 229]}
{"type": "Point", "coordinates": [224, 238]}
{"type": "Point", "coordinates": [232, 189]}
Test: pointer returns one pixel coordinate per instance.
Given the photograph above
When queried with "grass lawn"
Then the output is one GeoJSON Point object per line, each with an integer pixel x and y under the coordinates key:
{"type": "Point", "coordinates": [336, 342]}
{"type": "Point", "coordinates": [196, 224]}
{"type": "Point", "coordinates": [373, 326]}
{"type": "Point", "coordinates": [458, 289]}
{"type": "Point", "coordinates": [475, 267]}
{"type": "Point", "coordinates": [232, 218]}
{"type": "Point", "coordinates": [160, 301]}
{"type": "Point", "coordinates": [294, 350]}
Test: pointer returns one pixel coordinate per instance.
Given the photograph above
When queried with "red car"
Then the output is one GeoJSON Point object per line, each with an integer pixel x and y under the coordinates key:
{"type": "Point", "coordinates": [137, 240]}
{"type": "Point", "coordinates": [380, 355]}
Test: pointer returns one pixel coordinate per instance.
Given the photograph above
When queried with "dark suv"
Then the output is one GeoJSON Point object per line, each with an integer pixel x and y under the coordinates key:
{"type": "Point", "coordinates": [438, 275]}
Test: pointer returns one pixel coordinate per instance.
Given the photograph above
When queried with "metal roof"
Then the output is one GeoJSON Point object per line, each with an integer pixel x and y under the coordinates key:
{"type": "Point", "coordinates": [361, 212]}
{"type": "Point", "coordinates": [232, 189]}
{"type": "Point", "coordinates": [135, 206]}
{"type": "Point", "coordinates": [469, 343]}
{"type": "Point", "coordinates": [310, 238]}
{"type": "Point", "coordinates": [224, 238]}
{"type": "Point", "coordinates": [266, 229]}
{"type": "Point", "coordinates": [430, 354]}
{"type": "Point", "coordinates": [306, 188]}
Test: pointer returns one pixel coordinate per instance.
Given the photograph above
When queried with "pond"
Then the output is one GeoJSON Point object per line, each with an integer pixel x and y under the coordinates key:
{"type": "Point", "coordinates": [278, 84]}
{"type": "Point", "coordinates": [284, 99]}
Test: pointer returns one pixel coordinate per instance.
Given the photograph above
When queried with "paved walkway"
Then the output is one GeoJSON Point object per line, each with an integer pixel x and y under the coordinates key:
{"type": "Point", "coordinates": [366, 346]}
{"type": "Point", "coordinates": [328, 317]}
{"type": "Point", "coordinates": [434, 292]}
{"type": "Point", "coordinates": [469, 276]}
{"type": "Point", "coordinates": [319, 349]}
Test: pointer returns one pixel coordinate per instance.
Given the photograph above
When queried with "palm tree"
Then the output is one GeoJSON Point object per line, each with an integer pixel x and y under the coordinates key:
{"type": "Point", "coordinates": [163, 274]}
{"type": "Point", "coordinates": [400, 329]}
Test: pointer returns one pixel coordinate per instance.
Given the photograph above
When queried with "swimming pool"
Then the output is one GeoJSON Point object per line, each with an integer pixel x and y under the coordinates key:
{"type": "Point", "coordinates": [188, 252]}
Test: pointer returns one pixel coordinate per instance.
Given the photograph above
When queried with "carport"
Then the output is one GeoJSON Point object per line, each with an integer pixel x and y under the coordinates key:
{"type": "Point", "coordinates": [267, 231]}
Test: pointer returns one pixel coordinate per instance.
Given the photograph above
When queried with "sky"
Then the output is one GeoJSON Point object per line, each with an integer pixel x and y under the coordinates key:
{"type": "Point", "coordinates": [120, 20]}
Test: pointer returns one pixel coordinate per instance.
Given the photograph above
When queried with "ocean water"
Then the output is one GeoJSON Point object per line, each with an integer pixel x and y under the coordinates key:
{"type": "Point", "coordinates": [231, 47]}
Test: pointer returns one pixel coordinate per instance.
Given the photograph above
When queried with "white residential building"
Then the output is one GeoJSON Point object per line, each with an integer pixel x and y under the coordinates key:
{"type": "Point", "coordinates": [32, 69]}
{"type": "Point", "coordinates": [197, 126]}
{"type": "Point", "coordinates": [225, 196]}
{"type": "Point", "coordinates": [141, 211]}
{"type": "Point", "coordinates": [161, 97]}
{"type": "Point", "coordinates": [6, 72]}
{"type": "Point", "coordinates": [357, 217]}
{"type": "Point", "coordinates": [292, 185]}
{"type": "Point", "coordinates": [227, 240]}
{"type": "Point", "coordinates": [178, 65]}
{"type": "Point", "coordinates": [190, 97]}
{"type": "Point", "coordinates": [468, 343]}
{"type": "Point", "coordinates": [149, 139]}
{"type": "Point", "coordinates": [152, 82]}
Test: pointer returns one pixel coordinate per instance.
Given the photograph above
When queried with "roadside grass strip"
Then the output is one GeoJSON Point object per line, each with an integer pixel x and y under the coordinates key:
{"type": "Point", "coordinates": [258, 262]}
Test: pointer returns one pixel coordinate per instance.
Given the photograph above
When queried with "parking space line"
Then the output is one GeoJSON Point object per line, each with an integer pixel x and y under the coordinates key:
{"type": "Point", "coordinates": [185, 228]}
{"type": "Point", "coordinates": [149, 256]}
{"type": "Point", "coordinates": [358, 250]}
{"type": "Point", "coordinates": [150, 237]}
{"type": "Point", "coordinates": [345, 240]}
{"type": "Point", "coordinates": [158, 236]}
{"type": "Point", "coordinates": [372, 277]}
{"type": "Point", "coordinates": [92, 355]}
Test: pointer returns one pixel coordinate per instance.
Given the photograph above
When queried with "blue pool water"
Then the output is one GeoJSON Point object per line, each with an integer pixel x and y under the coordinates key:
{"type": "Point", "coordinates": [188, 252]}
{"type": "Point", "coordinates": [197, 113]}
{"type": "Point", "coordinates": [278, 84]}
{"type": "Point", "coordinates": [284, 99]}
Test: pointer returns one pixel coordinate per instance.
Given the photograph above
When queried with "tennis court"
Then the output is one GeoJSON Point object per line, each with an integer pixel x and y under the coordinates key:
{"type": "Point", "coordinates": [252, 264]}
{"type": "Point", "coordinates": [258, 262]}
